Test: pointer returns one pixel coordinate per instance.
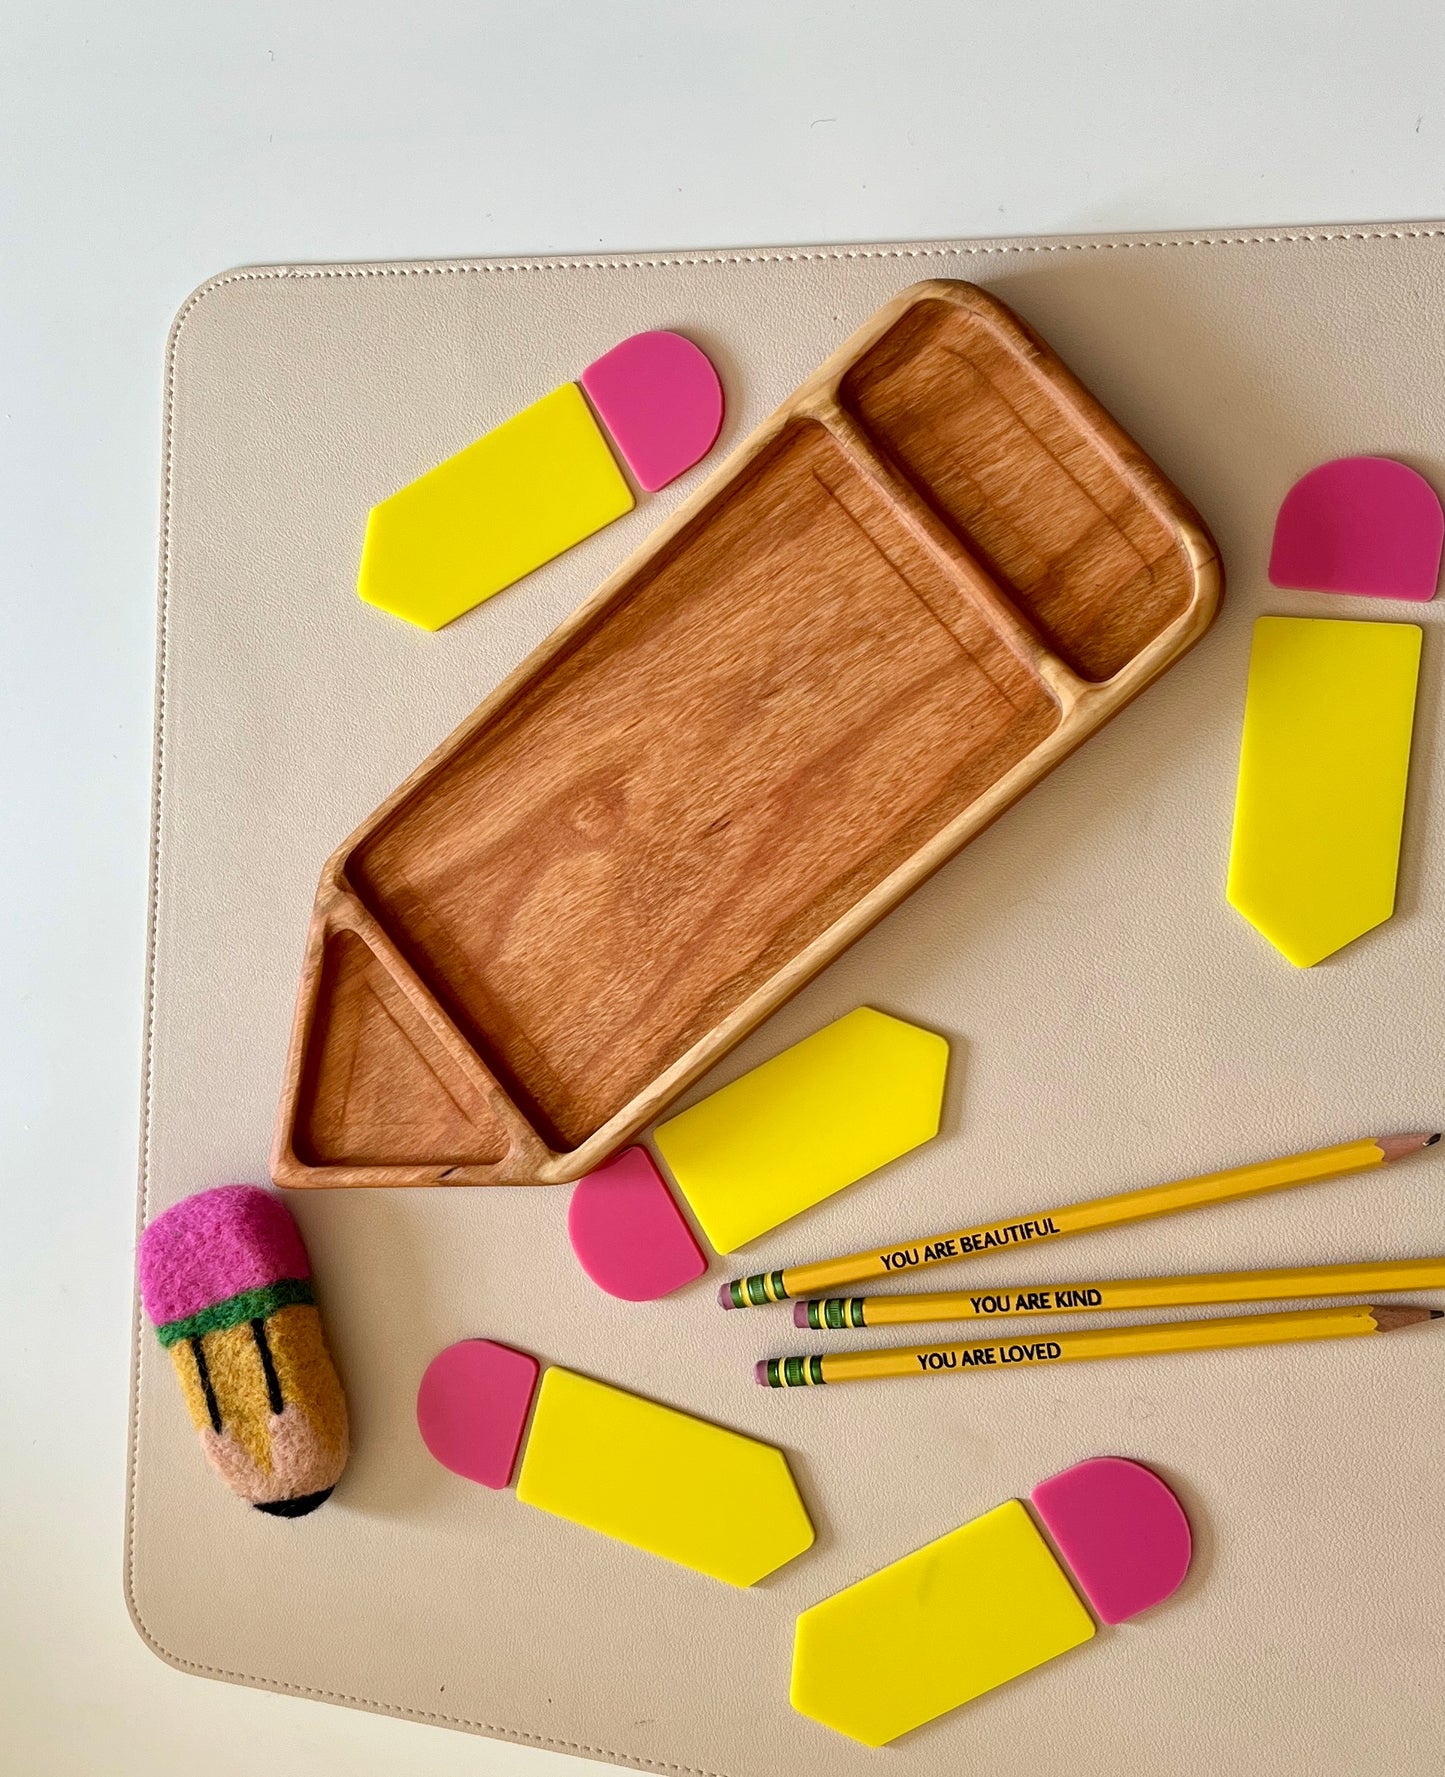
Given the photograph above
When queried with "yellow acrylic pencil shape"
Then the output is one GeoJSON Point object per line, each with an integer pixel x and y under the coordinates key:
{"type": "Point", "coordinates": [661, 1480]}
{"type": "Point", "coordinates": [532, 487]}
{"type": "Point", "coordinates": [1322, 770]}
{"type": "Point", "coordinates": [989, 1601]}
{"type": "Point", "coordinates": [542, 481]}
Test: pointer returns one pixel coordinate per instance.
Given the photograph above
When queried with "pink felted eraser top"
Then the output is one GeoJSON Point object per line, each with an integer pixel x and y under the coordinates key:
{"type": "Point", "coordinates": [660, 398]}
{"type": "Point", "coordinates": [1121, 1531]}
{"type": "Point", "coordinates": [472, 1406]}
{"type": "Point", "coordinates": [214, 1245]}
{"type": "Point", "coordinates": [627, 1232]}
{"type": "Point", "coordinates": [1364, 525]}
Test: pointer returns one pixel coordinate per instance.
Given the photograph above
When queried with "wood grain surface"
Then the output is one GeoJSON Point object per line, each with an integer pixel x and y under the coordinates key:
{"type": "Point", "coordinates": [906, 596]}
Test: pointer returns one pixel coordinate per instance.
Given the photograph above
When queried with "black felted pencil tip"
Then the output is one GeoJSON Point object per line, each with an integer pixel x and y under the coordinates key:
{"type": "Point", "coordinates": [295, 1508]}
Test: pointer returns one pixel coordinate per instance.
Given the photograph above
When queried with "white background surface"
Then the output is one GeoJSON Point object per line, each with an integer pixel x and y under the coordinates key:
{"type": "Point", "coordinates": [145, 146]}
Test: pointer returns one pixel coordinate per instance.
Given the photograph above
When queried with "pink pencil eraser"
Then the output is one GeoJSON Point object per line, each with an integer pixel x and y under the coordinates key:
{"type": "Point", "coordinates": [1366, 525]}
{"type": "Point", "coordinates": [472, 1406]}
{"type": "Point", "coordinates": [1121, 1531]}
{"type": "Point", "coordinates": [627, 1232]}
{"type": "Point", "coordinates": [800, 1314]}
{"type": "Point", "coordinates": [661, 400]}
{"type": "Point", "coordinates": [215, 1245]}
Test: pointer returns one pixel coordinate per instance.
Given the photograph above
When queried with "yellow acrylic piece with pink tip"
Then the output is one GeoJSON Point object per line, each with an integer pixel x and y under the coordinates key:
{"type": "Point", "coordinates": [661, 1480]}
{"type": "Point", "coordinates": [541, 481]}
{"type": "Point", "coordinates": [990, 1601]}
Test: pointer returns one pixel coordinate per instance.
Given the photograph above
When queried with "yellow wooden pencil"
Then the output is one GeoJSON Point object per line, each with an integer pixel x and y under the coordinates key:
{"type": "Point", "coordinates": [1349, 1321]}
{"type": "Point", "coordinates": [904, 1257]}
{"type": "Point", "coordinates": [999, 1301]}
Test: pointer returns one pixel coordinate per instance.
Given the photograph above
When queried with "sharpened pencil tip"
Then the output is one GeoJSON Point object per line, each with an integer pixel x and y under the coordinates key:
{"type": "Point", "coordinates": [1389, 1317]}
{"type": "Point", "coordinates": [1399, 1147]}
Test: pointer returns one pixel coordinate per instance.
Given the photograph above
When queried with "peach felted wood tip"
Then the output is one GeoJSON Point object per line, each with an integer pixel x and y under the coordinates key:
{"type": "Point", "coordinates": [929, 576]}
{"type": "Point", "coordinates": [541, 481]}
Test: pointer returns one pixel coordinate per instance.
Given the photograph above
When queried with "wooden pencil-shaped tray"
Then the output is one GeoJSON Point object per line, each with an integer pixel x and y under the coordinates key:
{"type": "Point", "coordinates": [934, 571]}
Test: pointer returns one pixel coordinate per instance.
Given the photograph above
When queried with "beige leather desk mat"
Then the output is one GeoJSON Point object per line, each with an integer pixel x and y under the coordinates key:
{"type": "Point", "coordinates": [1113, 1023]}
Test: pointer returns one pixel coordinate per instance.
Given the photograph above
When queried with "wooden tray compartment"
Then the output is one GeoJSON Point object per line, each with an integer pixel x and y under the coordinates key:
{"type": "Point", "coordinates": [928, 577]}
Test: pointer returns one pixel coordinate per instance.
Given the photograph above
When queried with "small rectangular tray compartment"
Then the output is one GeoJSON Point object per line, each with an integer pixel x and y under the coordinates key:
{"type": "Point", "coordinates": [920, 584]}
{"type": "Point", "coordinates": [1045, 505]}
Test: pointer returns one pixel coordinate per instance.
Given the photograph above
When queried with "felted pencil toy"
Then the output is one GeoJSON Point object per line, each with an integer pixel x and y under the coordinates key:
{"type": "Point", "coordinates": [226, 1281]}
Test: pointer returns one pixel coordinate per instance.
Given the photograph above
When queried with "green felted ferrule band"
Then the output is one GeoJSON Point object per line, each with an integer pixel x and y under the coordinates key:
{"type": "Point", "coordinates": [249, 1305]}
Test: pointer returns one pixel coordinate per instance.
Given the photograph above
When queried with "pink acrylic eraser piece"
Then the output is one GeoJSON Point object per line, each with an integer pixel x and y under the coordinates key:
{"type": "Point", "coordinates": [217, 1244]}
{"type": "Point", "coordinates": [472, 1407]}
{"type": "Point", "coordinates": [1364, 525]}
{"type": "Point", "coordinates": [627, 1232]}
{"type": "Point", "coordinates": [1121, 1531]}
{"type": "Point", "coordinates": [661, 400]}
